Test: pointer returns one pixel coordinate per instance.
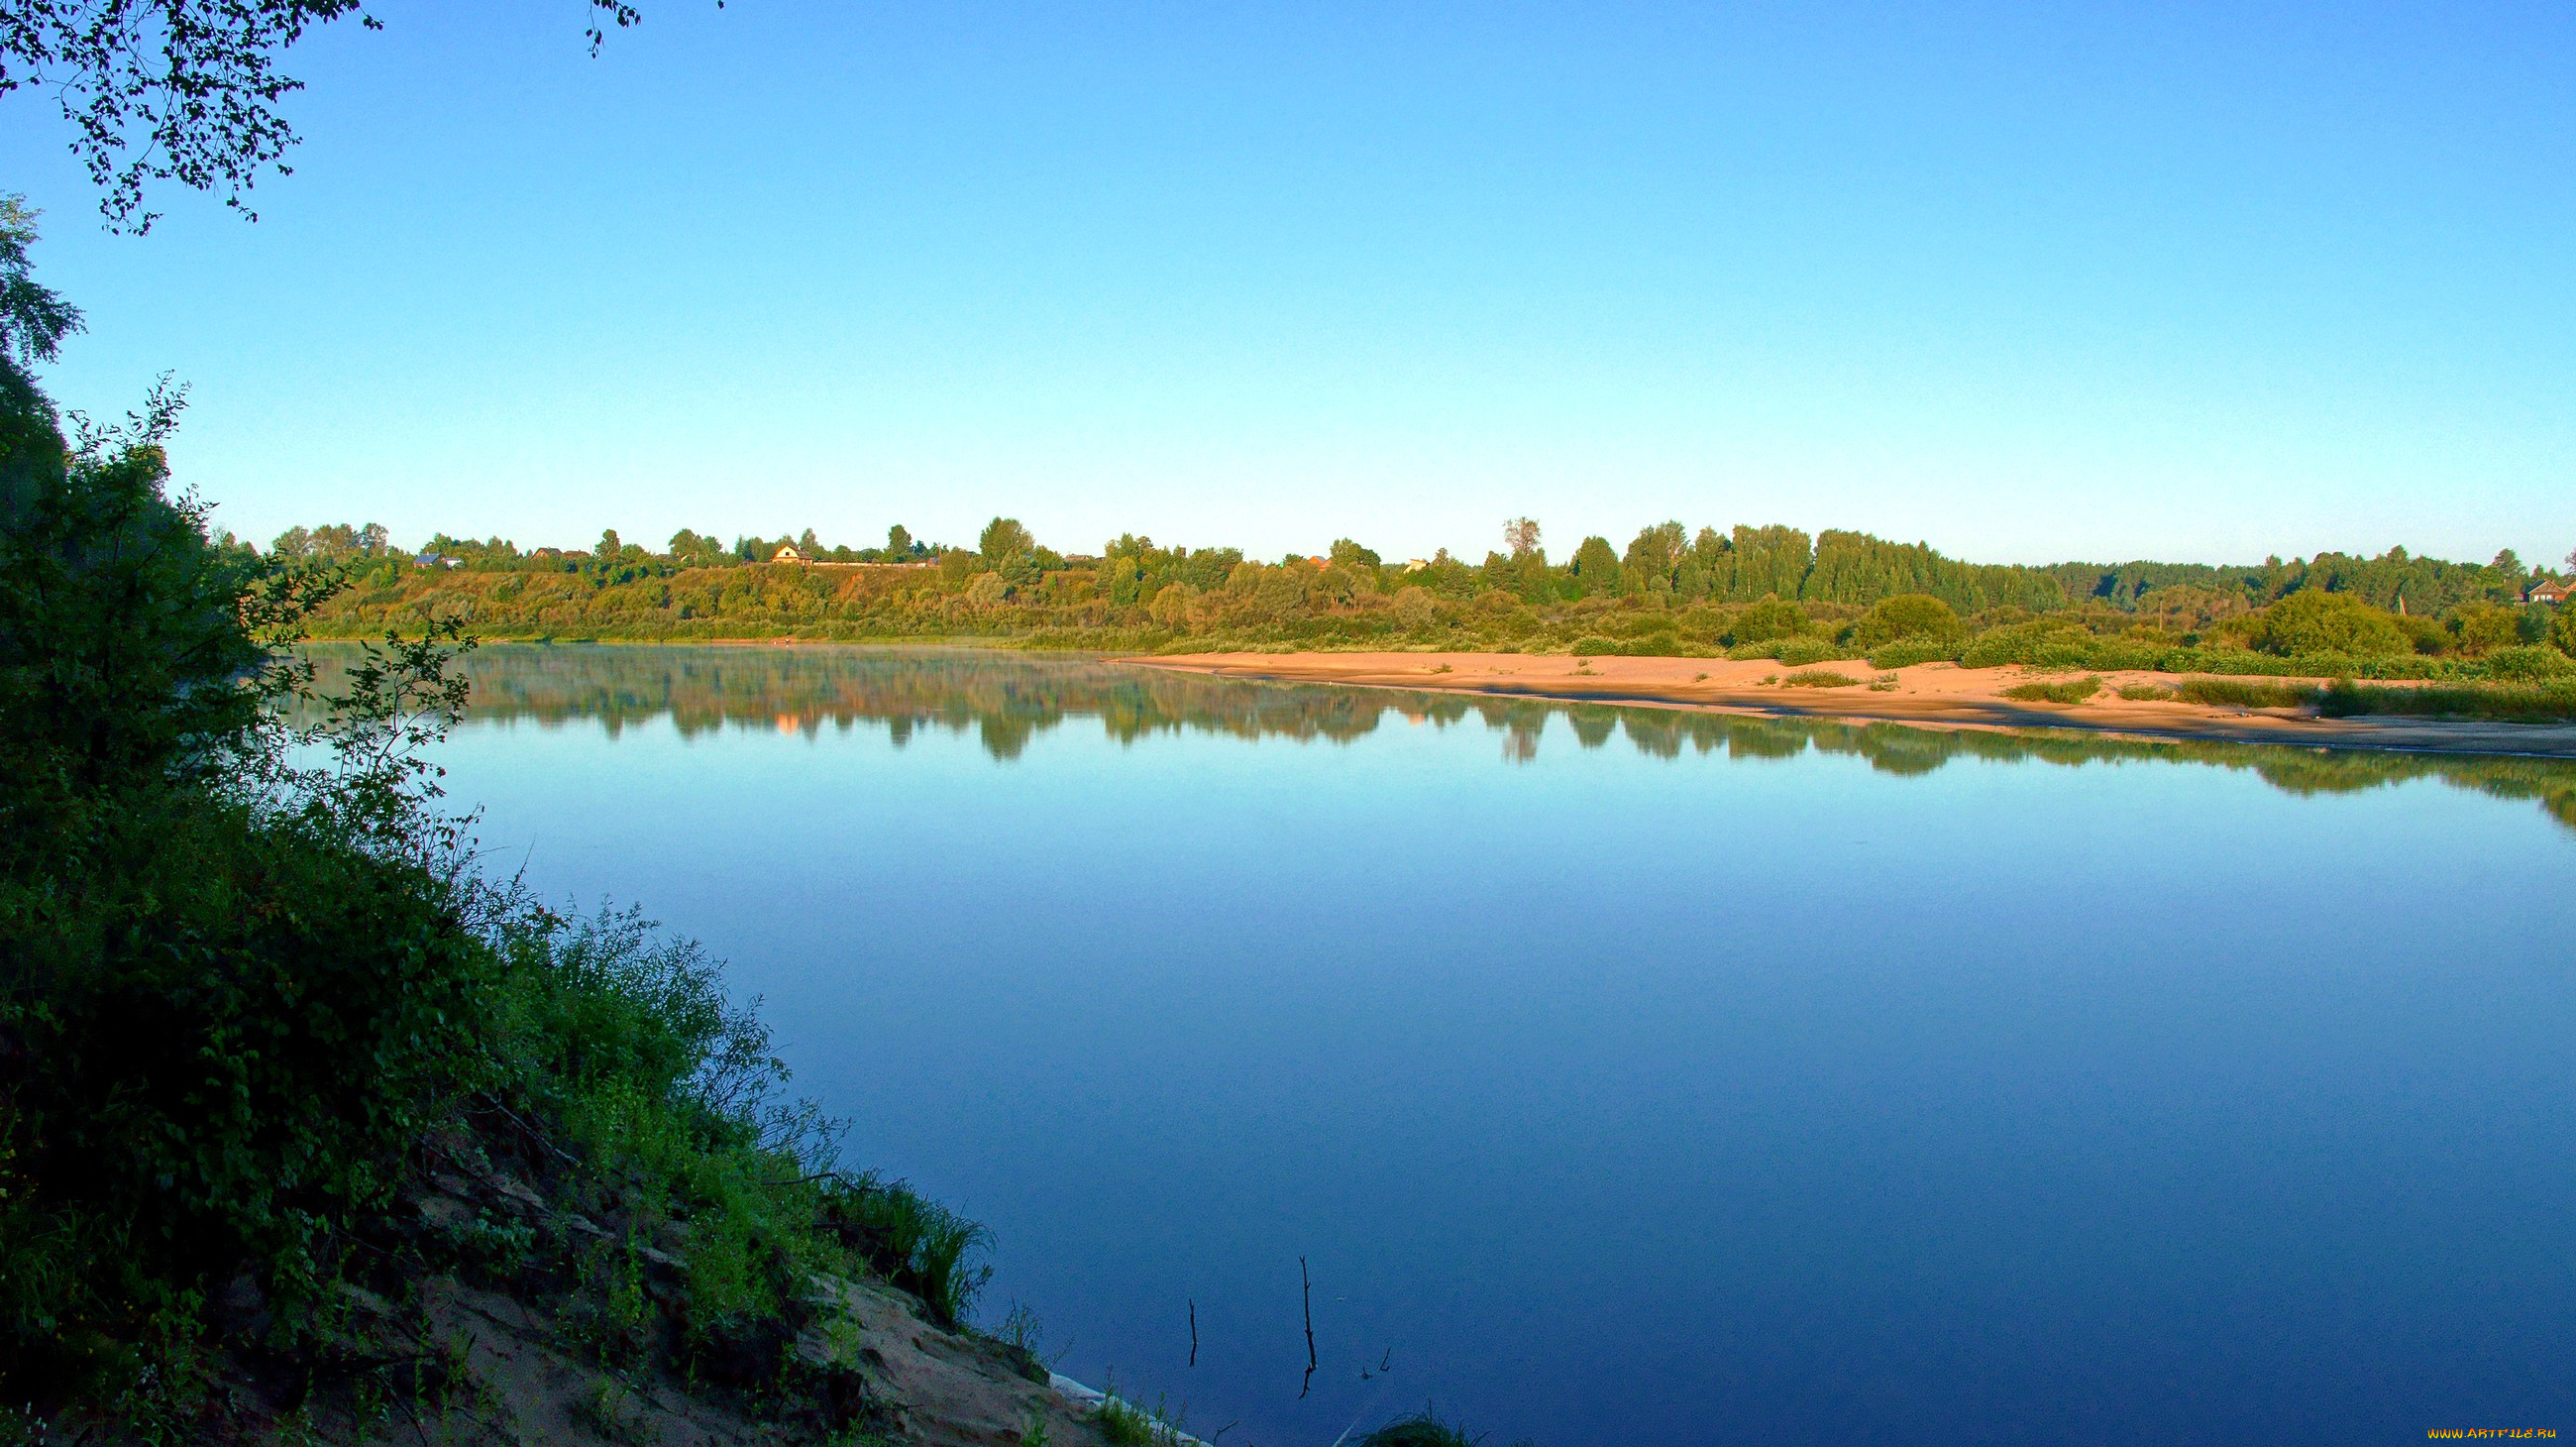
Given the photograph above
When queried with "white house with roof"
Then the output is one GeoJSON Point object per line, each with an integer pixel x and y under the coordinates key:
{"type": "Point", "coordinates": [2550, 591]}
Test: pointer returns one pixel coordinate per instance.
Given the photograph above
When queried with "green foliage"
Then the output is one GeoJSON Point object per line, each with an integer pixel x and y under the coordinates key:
{"type": "Point", "coordinates": [2313, 622]}
{"type": "Point", "coordinates": [1755, 593]}
{"type": "Point", "coordinates": [2069, 691]}
{"type": "Point", "coordinates": [1596, 572]}
{"type": "Point", "coordinates": [2146, 692]}
{"type": "Point", "coordinates": [253, 977]}
{"type": "Point", "coordinates": [1906, 616]}
{"type": "Point", "coordinates": [34, 318]}
{"type": "Point", "coordinates": [2244, 693]}
{"type": "Point", "coordinates": [2528, 663]}
{"type": "Point", "coordinates": [1908, 652]}
{"type": "Point", "coordinates": [1004, 542]}
{"type": "Point", "coordinates": [208, 947]}
{"type": "Point", "coordinates": [2551, 702]}
{"type": "Point", "coordinates": [2041, 644]}
{"type": "Point", "coordinates": [1799, 652]}
{"type": "Point", "coordinates": [1818, 678]}
{"type": "Point", "coordinates": [1766, 621]}
{"type": "Point", "coordinates": [912, 1241]}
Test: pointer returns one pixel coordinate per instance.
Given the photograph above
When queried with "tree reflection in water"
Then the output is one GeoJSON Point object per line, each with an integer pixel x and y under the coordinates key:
{"type": "Point", "coordinates": [1010, 699]}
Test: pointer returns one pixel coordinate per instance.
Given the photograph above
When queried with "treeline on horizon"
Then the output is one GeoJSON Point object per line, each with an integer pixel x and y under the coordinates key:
{"type": "Point", "coordinates": [1771, 591]}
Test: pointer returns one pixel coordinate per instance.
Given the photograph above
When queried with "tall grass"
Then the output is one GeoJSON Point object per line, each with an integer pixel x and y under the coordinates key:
{"type": "Point", "coordinates": [2072, 691]}
{"type": "Point", "coordinates": [2241, 693]}
{"type": "Point", "coordinates": [2512, 703]}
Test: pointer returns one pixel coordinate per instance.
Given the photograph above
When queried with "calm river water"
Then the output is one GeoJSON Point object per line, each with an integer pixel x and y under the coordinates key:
{"type": "Point", "coordinates": [1626, 1076]}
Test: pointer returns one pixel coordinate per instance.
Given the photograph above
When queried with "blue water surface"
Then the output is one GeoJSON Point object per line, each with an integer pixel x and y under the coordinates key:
{"type": "Point", "coordinates": [1628, 1076]}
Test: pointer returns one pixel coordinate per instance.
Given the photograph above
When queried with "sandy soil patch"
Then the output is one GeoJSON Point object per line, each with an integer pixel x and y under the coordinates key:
{"type": "Point", "coordinates": [1940, 695]}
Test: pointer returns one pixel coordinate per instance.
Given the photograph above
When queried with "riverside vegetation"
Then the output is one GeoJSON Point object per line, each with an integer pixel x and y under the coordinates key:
{"type": "Point", "coordinates": [1753, 592]}
{"type": "Point", "coordinates": [287, 1085]}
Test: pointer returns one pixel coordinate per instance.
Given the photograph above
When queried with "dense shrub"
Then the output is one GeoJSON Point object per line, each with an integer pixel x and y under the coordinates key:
{"type": "Point", "coordinates": [1765, 621]}
{"type": "Point", "coordinates": [1799, 652]}
{"type": "Point", "coordinates": [2528, 663]}
{"type": "Point", "coordinates": [2044, 643]}
{"type": "Point", "coordinates": [2125, 654]}
{"type": "Point", "coordinates": [1905, 653]}
{"type": "Point", "coordinates": [2481, 627]}
{"type": "Point", "coordinates": [1906, 616]}
{"type": "Point", "coordinates": [2314, 621]}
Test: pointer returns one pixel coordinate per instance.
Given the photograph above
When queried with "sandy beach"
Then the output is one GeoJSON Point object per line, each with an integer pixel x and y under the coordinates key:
{"type": "Point", "coordinates": [1933, 695]}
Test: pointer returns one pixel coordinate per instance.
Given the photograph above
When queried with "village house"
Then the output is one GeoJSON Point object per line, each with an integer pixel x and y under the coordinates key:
{"type": "Point", "coordinates": [787, 554]}
{"type": "Point", "coordinates": [2551, 591]}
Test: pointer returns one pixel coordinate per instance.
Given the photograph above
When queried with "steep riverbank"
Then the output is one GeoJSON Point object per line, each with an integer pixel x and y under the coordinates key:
{"type": "Point", "coordinates": [1938, 695]}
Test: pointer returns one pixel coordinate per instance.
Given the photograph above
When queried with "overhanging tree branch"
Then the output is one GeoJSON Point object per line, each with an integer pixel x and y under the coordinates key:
{"type": "Point", "coordinates": [183, 91]}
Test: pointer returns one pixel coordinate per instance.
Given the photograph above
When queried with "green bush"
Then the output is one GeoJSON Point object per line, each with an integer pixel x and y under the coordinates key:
{"type": "Point", "coordinates": [1905, 653]}
{"type": "Point", "coordinates": [2125, 655]}
{"type": "Point", "coordinates": [1764, 622]}
{"type": "Point", "coordinates": [2528, 663]}
{"type": "Point", "coordinates": [1818, 678]}
{"type": "Point", "coordinates": [2039, 644]}
{"type": "Point", "coordinates": [1798, 652]}
{"type": "Point", "coordinates": [1906, 616]}
{"type": "Point", "coordinates": [2314, 621]}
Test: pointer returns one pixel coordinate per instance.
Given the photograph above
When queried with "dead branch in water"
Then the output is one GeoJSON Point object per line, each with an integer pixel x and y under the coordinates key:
{"type": "Point", "coordinates": [1306, 1288]}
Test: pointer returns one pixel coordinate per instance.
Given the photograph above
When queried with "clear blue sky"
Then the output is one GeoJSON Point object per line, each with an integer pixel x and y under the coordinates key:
{"type": "Point", "coordinates": [2189, 281]}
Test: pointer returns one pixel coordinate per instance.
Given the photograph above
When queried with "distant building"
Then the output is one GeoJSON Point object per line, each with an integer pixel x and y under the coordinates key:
{"type": "Point", "coordinates": [1416, 565]}
{"type": "Point", "coordinates": [2549, 592]}
{"type": "Point", "coordinates": [433, 560]}
{"type": "Point", "coordinates": [787, 554]}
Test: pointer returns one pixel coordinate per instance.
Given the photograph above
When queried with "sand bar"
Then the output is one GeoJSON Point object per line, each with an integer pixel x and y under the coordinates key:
{"type": "Point", "coordinates": [1934, 695]}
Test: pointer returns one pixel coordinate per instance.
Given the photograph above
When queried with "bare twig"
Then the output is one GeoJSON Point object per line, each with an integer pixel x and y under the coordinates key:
{"type": "Point", "coordinates": [1194, 1333]}
{"type": "Point", "coordinates": [1306, 1287]}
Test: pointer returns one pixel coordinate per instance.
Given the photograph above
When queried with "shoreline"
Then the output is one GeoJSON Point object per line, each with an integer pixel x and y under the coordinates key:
{"type": "Point", "coordinates": [1929, 695]}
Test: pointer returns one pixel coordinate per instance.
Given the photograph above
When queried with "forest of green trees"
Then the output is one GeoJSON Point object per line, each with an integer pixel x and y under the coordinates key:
{"type": "Point", "coordinates": [1752, 591]}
